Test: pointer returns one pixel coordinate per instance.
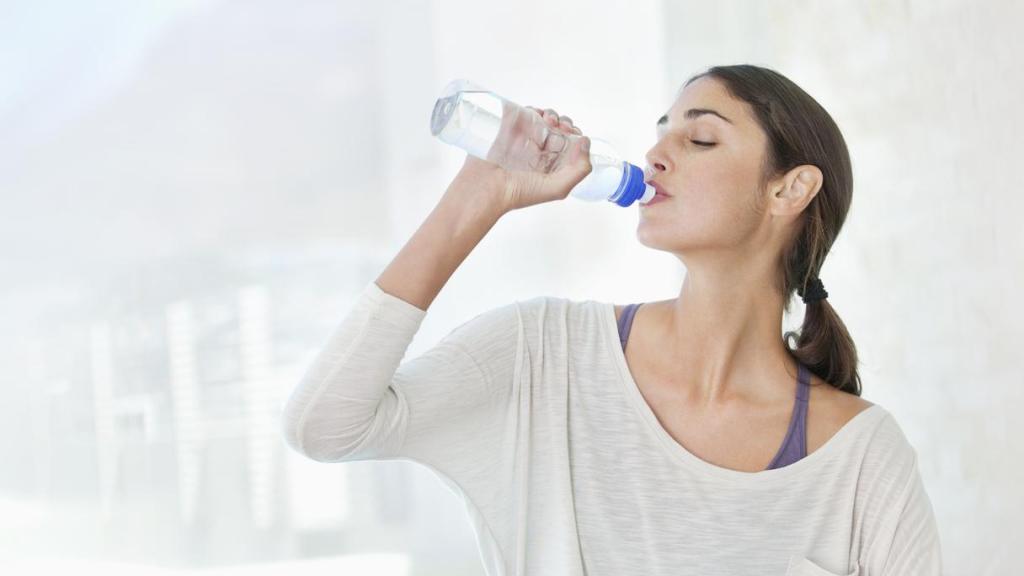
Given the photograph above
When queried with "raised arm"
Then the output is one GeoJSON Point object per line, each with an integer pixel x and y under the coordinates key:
{"type": "Point", "coordinates": [345, 406]}
{"type": "Point", "coordinates": [468, 210]}
{"type": "Point", "coordinates": [355, 401]}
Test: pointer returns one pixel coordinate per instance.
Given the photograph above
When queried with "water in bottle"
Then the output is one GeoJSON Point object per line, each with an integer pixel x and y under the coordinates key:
{"type": "Point", "coordinates": [493, 128]}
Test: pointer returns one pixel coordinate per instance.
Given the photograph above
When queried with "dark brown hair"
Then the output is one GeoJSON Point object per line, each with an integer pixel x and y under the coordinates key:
{"type": "Point", "coordinates": [800, 132]}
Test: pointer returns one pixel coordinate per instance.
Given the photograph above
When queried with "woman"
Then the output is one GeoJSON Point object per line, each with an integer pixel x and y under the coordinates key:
{"type": "Point", "coordinates": [705, 446]}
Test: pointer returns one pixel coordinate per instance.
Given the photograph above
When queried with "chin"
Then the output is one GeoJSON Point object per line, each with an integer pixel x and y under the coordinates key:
{"type": "Point", "coordinates": [655, 239]}
{"type": "Point", "coordinates": [666, 239]}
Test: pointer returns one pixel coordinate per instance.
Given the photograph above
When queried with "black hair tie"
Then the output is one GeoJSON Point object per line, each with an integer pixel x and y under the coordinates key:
{"type": "Point", "coordinates": [814, 291]}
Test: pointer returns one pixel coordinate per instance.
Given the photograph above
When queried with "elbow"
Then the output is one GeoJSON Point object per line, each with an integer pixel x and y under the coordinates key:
{"type": "Point", "coordinates": [290, 430]}
{"type": "Point", "coordinates": [326, 425]}
{"type": "Point", "coordinates": [294, 435]}
{"type": "Point", "coordinates": [294, 429]}
{"type": "Point", "coordinates": [318, 434]}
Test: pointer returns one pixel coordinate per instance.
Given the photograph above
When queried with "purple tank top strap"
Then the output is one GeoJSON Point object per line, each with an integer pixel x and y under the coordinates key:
{"type": "Point", "coordinates": [803, 391]}
{"type": "Point", "coordinates": [626, 322]}
{"type": "Point", "coordinates": [794, 446]}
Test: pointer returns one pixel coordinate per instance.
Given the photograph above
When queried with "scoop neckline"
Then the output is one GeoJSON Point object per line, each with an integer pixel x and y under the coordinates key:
{"type": "Point", "coordinates": [679, 454]}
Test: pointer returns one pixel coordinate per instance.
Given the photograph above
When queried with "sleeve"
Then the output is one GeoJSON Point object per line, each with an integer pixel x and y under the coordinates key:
{"type": "Point", "coordinates": [911, 546]}
{"type": "Point", "coordinates": [448, 408]}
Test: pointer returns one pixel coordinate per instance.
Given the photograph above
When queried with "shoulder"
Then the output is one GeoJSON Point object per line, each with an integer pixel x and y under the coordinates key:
{"type": "Point", "coordinates": [515, 312]}
{"type": "Point", "coordinates": [888, 440]}
{"type": "Point", "coordinates": [888, 466]}
{"type": "Point", "coordinates": [528, 315]}
{"type": "Point", "coordinates": [561, 318]}
{"type": "Point", "coordinates": [547, 306]}
{"type": "Point", "coordinates": [892, 506]}
{"type": "Point", "coordinates": [887, 460]}
{"type": "Point", "coordinates": [488, 330]}
{"type": "Point", "coordinates": [830, 411]}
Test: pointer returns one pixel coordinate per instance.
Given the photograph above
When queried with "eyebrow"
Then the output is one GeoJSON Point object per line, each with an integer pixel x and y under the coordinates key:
{"type": "Point", "coordinates": [694, 113]}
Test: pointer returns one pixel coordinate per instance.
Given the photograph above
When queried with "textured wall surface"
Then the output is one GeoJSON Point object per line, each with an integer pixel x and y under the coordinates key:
{"type": "Point", "coordinates": [195, 191]}
{"type": "Point", "coordinates": [928, 268]}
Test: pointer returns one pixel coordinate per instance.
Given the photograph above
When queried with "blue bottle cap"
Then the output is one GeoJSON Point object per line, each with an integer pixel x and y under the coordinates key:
{"type": "Point", "coordinates": [632, 186]}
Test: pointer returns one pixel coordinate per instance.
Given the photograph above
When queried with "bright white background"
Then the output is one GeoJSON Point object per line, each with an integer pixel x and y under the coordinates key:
{"type": "Point", "coordinates": [194, 192]}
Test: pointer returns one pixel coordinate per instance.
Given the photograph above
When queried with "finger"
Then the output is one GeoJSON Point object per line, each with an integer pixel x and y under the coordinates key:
{"type": "Point", "coordinates": [571, 172]}
{"type": "Point", "coordinates": [549, 116]}
{"type": "Point", "coordinates": [550, 113]}
{"type": "Point", "coordinates": [554, 143]}
{"type": "Point", "coordinates": [539, 112]}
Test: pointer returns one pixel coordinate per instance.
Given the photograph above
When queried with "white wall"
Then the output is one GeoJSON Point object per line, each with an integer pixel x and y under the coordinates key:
{"type": "Point", "coordinates": [171, 156]}
{"type": "Point", "coordinates": [928, 267]}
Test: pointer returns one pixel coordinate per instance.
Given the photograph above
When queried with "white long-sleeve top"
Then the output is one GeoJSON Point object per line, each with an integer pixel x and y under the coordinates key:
{"type": "Point", "coordinates": [529, 413]}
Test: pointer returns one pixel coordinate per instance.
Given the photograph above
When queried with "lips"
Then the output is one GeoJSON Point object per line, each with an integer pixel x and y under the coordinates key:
{"type": "Point", "coordinates": [659, 191]}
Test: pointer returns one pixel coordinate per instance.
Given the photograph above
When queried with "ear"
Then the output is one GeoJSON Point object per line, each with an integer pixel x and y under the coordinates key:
{"type": "Point", "coordinates": [798, 187]}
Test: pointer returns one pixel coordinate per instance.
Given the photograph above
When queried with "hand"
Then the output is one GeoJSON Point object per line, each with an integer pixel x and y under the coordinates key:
{"type": "Point", "coordinates": [538, 156]}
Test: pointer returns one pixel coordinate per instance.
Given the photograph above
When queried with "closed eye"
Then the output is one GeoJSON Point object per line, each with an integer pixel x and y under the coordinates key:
{"type": "Point", "coordinates": [708, 144]}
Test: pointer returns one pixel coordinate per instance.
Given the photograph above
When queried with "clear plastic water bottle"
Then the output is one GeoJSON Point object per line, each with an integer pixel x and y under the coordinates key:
{"type": "Point", "coordinates": [493, 128]}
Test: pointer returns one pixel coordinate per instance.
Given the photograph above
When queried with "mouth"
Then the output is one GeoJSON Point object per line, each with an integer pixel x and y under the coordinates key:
{"type": "Point", "coordinates": [658, 190]}
{"type": "Point", "coordinates": [659, 194]}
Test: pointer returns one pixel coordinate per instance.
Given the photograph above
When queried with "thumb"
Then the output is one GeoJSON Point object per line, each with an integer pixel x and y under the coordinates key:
{"type": "Point", "coordinates": [581, 153]}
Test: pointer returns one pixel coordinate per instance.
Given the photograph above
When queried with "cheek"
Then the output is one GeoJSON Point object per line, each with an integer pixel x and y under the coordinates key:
{"type": "Point", "coordinates": [723, 194]}
{"type": "Point", "coordinates": [712, 210]}
{"type": "Point", "coordinates": [712, 199]}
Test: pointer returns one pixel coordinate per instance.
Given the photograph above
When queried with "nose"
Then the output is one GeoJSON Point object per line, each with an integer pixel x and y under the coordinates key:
{"type": "Point", "coordinates": [656, 163]}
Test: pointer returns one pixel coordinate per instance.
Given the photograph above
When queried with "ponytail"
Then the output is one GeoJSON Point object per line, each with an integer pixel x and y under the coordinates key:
{"type": "Point", "coordinates": [799, 131]}
{"type": "Point", "coordinates": [824, 345]}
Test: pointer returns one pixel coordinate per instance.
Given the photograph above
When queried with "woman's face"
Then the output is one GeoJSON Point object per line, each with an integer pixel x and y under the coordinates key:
{"type": "Point", "coordinates": [714, 188]}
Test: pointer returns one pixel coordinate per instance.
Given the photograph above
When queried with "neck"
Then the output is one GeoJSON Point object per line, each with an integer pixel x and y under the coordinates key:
{"type": "Point", "coordinates": [723, 339]}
